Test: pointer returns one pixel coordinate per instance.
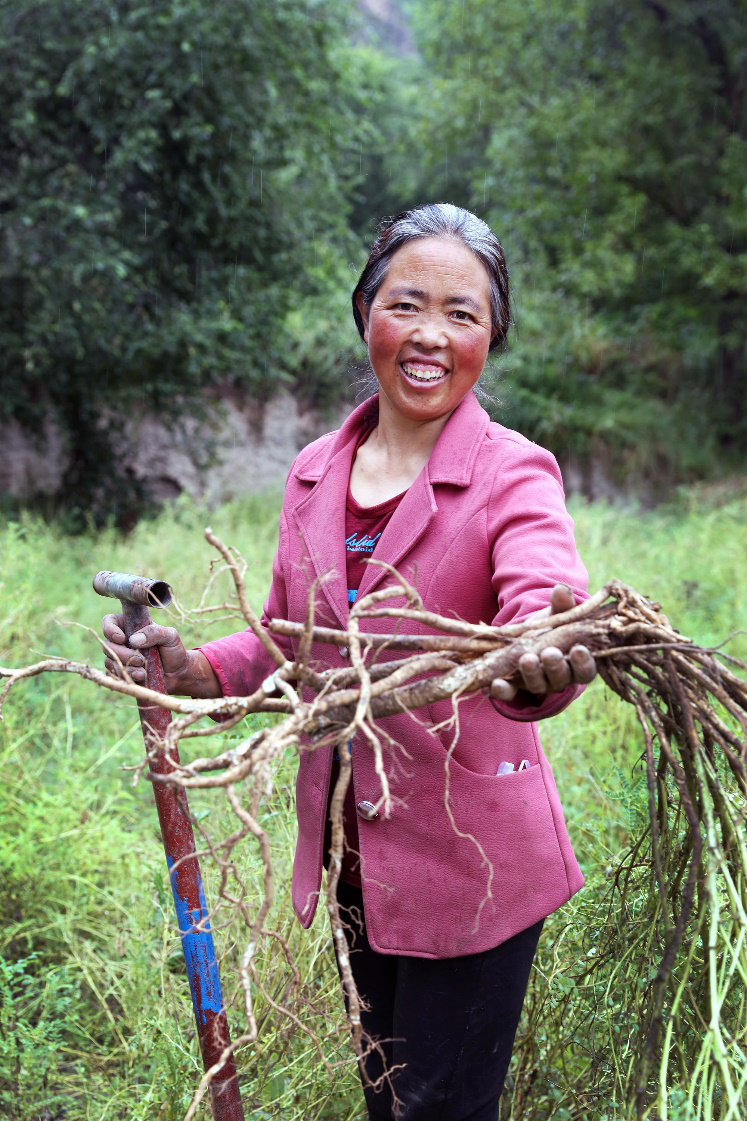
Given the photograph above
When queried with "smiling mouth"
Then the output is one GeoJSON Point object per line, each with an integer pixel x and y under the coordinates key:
{"type": "Point", "coordinates": [423, 373]}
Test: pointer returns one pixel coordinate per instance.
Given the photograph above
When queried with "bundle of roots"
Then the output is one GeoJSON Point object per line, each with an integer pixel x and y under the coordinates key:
{"type": "Point", "coordinates": [677, 956]}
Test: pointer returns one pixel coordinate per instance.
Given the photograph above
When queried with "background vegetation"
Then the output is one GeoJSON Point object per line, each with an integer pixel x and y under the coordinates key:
{"type": "Point", "coordinates": [186, 192]}
{"type": "Point", "coordinates": [95, 1018]}
{"type": "Point", "coordinates": [607, 142]}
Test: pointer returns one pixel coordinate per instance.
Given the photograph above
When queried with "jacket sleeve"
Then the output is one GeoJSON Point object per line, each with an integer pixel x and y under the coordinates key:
{"type": "Point", "coordinates": [239, 660]}
{"type": "Point", "coordinates": [533, 549]}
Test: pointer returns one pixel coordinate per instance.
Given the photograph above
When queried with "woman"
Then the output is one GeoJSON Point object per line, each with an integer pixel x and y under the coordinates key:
{"type": "Point", "coordinates": [446, 894]}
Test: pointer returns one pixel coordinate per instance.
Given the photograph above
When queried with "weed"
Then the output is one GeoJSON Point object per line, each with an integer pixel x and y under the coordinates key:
{"type": "Point", "coordinates": [95, 1018]}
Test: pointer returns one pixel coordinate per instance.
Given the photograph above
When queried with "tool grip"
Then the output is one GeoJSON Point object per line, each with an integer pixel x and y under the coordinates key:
{"type": "Point", "coordinates": [133, 589]}
{"type": "Point", "coordinates": [186, 885]}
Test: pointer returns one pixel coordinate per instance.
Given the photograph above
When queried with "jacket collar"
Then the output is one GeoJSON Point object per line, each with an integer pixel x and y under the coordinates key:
{"type": "Point", "coordinates": [320, 516]}
{"type": "Point", "coordinates": [452, 458]}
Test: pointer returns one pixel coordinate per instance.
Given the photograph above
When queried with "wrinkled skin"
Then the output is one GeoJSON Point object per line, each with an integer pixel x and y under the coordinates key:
{"type": "Point", "coordinates": [187, 672]}
{"type": "Point", "coordinates": [551, 672]}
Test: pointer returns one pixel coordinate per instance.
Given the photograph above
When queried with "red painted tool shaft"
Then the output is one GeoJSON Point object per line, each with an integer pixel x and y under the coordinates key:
{"type": "Point", "coordinates": [186, 884]}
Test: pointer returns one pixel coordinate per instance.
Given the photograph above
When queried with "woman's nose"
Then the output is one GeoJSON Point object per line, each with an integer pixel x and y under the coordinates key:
{"type": "Point", "coordinates": [430, 331]}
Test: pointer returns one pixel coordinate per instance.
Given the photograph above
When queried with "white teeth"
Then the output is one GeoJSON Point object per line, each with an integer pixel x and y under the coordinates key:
{"type": "Point", "coordinates": [423, 373]}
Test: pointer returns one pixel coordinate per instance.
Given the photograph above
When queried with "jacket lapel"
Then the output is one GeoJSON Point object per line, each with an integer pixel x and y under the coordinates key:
{"type": "Point", "coordinates": [408, 524]}
{"type": "Point", "coordinates": [320, 517]}
{"type": "Point", "coordinates": [451, 461]}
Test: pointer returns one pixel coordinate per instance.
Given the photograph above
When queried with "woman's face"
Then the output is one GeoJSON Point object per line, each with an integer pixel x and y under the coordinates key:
{"type": "Point", "coordinates": [428, 327]}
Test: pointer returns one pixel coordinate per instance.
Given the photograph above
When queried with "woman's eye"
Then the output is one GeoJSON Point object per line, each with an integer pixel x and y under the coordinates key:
{"type": "Point", "coordinates": [462, 316]}
{"type": "Point", "coordinates": [405, 307]}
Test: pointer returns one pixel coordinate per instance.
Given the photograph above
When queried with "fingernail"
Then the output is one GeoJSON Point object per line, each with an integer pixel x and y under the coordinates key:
{"type": "Point", "coordinates": [137, 640]}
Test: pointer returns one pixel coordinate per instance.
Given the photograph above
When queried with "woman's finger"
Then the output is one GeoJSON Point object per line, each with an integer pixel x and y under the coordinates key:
{"type": "Point", "coordinates": [583, 665]}
{"type": "Point", "coordinates": [556, 668]}
{"type": "Point", "coordinates": [154, 635]}
{"type": "Point", "coordinates": [551, 672]}
{"type": "Point", "coordinates": [561, 599]}
{"type": "Point", "coordinates": [503, 690]}
{"type": "Point", "coordinates": [532, 674]}
{"type": "Point", "coordinates": [123, 655]}
{"type": "Point", "coordinates": [123, 659]}
{"type": "Point", "coordinates": [134, 671]}
{"type": "Point", "coordinates": [113, 628]}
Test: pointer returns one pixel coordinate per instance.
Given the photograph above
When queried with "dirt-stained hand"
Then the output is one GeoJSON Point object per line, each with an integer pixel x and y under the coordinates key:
{"type": "Point", "coordinates": [551, 671]}
{"type": "Point", "coordinates": [186, 671]}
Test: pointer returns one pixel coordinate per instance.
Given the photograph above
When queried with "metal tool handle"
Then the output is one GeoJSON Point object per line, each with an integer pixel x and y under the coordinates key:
{"type": "Point", "coordinates": [179, 844]}
{"type": "Point", "coordinates": [133, 589]}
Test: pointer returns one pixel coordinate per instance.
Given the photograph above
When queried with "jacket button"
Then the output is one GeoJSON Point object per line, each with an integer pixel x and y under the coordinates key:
{"type": "Point", "coordinates": [367, 810]}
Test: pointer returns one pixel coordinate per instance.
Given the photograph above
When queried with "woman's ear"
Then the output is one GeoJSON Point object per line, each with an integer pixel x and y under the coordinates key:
{"type": "Point", "coordinates": [362, 306]}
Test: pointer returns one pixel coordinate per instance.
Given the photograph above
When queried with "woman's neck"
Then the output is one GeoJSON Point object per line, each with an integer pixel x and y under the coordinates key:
{"type": "Point", "coordinates": [393, 455]}
{"type": "Point", "coordinates": [402, 439]}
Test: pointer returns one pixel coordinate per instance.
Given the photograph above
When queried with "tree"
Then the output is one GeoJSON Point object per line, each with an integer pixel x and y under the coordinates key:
{"type": "Point", "coordinates": [169, 175]}
{"type": "Point", "coordinates": [607, 143]}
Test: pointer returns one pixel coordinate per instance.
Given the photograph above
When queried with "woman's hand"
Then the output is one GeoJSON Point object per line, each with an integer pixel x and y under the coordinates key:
{"type": "Point", "coordinates": [552, 671]}
{"type": "Point", "coordinates": [187, 672]}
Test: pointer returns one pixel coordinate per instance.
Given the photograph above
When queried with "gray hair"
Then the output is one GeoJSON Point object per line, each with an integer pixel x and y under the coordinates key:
{"type": "Point", "coordinates": [439, 219]}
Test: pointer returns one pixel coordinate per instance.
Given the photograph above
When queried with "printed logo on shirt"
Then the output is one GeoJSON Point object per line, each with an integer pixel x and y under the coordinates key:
{"type": "Point", "coordinates": [364, 544]}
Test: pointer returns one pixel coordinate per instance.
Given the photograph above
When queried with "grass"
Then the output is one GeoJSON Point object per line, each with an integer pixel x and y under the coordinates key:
{"type": "Point", "coordinates": [95, 1021]}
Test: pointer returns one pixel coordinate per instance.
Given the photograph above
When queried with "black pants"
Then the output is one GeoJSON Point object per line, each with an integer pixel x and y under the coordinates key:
{"type": "Point", "coordinates": [445, 1028]}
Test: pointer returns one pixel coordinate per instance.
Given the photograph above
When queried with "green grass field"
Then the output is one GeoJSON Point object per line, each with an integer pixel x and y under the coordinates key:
{"type": "Point", "coordinates": [95, 1019]}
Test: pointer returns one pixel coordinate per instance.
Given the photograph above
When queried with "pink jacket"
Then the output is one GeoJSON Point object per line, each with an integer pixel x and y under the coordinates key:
{"type": "Point", "coordinates": [485, 533]}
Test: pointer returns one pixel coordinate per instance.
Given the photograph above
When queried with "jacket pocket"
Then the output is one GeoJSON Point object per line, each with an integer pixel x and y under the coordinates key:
{"type": "Point", "coordinates": [487, 739]}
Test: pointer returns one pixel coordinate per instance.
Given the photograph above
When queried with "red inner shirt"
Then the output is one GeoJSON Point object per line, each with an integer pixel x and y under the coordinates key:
{"type": "Point", "coordinates": [364, 526]}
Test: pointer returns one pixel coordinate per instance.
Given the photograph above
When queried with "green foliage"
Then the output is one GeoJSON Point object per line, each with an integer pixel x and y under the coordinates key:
{"type": "Point", "coordinates": [606, 145]}
{"type": "Point", "coordinates": [574, 1051]}
{"type": "Point", "coordinates": [186, 191]}
{"type": "Point", "coordinates": [163, 167]}
{"type": "Point", "coordinates": [95, 1017]}
{"type": "Point", "coordinates": [91, 979]}
{"type": "Point", "coordinates": [390, 163]}
{"type": "Point", "coordinates": [35, 1012]}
